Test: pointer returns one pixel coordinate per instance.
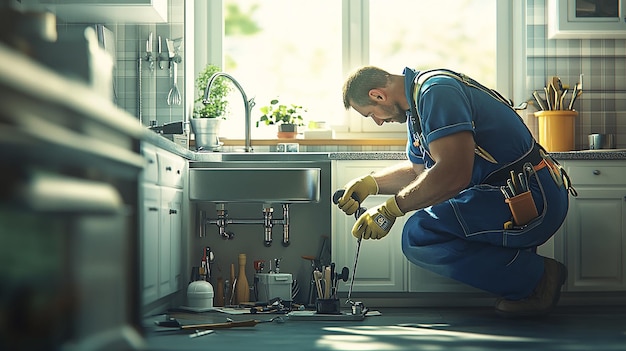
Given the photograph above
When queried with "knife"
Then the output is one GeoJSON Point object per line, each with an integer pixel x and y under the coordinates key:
{"type": "Point", "coordinates": [170, 47]}
{"type": "Point", "coordinates": [149, 44]}
{"type": "Point", "coordinates": [161, 58]}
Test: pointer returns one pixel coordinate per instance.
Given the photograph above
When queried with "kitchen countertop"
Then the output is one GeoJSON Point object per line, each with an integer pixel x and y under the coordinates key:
{"type": "Point", "coordinates": [603, 154]}
{"type": "Point", "coordinates": [158, 140]}
{"type": "Point", "coordinates": [608, 154]}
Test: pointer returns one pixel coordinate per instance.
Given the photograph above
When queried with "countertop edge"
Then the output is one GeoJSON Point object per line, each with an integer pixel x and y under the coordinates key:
{"type": "Point", "coordinates": [156, 139]}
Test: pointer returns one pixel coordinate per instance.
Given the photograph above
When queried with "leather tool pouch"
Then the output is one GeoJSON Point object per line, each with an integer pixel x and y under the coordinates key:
{"type": "Point", "coordinates": [523, 208]}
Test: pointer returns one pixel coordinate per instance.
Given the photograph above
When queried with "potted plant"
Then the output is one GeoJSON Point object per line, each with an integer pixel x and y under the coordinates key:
{"type": "Point", "coordinates": [206, 119]}
{"type": "Point", "coordinates": [287, 118]}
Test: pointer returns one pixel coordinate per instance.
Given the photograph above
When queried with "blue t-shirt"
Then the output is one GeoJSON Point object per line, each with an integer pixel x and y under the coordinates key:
{"type": "Point", "coordinates": [447, 106]}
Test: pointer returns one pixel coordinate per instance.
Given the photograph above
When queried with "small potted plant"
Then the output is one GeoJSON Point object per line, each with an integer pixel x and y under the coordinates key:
{"type": "Point", "coordinates": [206, 119]}
{"type": "Point", "coordinates": [287, 117]}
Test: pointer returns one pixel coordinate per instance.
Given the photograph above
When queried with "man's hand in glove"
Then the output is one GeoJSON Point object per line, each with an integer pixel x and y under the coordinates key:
{"type": "Point", "coordinates": [362, 187]}
{"type": "Point", "coordinates": [377, 221]}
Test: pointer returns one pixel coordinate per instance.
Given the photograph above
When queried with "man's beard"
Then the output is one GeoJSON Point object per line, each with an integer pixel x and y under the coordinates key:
{"type": "Point", "coordinates": [395, 113]}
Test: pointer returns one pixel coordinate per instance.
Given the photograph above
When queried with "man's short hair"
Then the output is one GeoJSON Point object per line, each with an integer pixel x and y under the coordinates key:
{"type": "Point", "coordinates": [357, 86]}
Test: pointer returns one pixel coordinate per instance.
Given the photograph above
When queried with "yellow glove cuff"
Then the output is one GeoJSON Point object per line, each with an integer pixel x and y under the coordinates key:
{"type": "Point", "coordinates": [371, 184]}
{"type": "Point", "coordinates": [392, 206]}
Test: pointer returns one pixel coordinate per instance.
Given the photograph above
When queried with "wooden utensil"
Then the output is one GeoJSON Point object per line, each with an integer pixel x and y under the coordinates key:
{"type": "Point", "coordinates": [174, 323]}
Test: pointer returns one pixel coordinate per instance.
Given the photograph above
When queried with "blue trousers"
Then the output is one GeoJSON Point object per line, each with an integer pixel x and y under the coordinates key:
{"type": "Point", "coordinates": [464, 238]}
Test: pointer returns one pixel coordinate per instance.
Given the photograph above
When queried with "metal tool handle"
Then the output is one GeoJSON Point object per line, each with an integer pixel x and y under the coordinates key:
{"type": "Point", "coordinates": [336, 196]}
{"type": "Point", "coordinates": [339, 193]}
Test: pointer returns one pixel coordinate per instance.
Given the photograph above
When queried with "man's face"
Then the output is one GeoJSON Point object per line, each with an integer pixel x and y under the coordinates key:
{"type": "Point", "coordinates": [383, 112]}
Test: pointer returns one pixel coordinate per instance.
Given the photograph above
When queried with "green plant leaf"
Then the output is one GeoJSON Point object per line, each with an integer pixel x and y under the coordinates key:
{"type": "Point", "coordinates": [216, 108]}
{"type": "Point", "coordinates": [276, 113]}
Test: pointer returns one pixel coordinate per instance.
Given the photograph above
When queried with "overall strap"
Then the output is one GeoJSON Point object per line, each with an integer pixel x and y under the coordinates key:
{"type": "Point", "coordinates": [423, 76]}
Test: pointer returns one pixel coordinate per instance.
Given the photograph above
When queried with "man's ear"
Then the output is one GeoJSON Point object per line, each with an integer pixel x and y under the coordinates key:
{"type": "Point", "coordinates": [377, 95]}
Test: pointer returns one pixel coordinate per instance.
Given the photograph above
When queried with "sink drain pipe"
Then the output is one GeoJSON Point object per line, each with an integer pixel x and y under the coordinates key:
{"type": "Point", "coordinates": [268, 222]}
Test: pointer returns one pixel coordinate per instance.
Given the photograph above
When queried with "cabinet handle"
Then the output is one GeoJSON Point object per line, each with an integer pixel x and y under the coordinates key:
{"type": "Point", "coordinates": [154, 209]}
{"type": "Point", "coordinates": [168, 168]}
{"type": "Point", "coordinates": [596, 172]}
{"type": "Point", "coordinates": [173, 211]}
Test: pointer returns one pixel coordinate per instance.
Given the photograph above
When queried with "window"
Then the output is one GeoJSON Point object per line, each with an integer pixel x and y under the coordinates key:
{"type": "Point", "coordinates": [301, 51]}
{"type": "Point", "coordinates": [289, 50]}
{"type": "Point", "coordinates": [433, 34]}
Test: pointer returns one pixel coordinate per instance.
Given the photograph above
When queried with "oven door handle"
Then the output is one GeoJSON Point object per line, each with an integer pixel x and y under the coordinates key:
{"type": "Point", "coordinates": [45, 192]}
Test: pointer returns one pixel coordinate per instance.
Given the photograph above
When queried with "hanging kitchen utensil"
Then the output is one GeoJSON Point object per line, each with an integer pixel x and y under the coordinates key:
{"type": "Point", "coordinates": [161, 57]}
{"type": "Point", "coordinates": [174, 96]}
{"type": "Point", "coordinates": [170, 48]}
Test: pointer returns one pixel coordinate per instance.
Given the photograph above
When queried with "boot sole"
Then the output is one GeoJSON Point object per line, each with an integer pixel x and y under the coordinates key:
{"type": "Point", "coordinates": [530, 314]}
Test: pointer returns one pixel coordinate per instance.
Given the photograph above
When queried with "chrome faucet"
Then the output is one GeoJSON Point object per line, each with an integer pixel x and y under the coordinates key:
{"type": "Point", "coordinates": [248, 104]}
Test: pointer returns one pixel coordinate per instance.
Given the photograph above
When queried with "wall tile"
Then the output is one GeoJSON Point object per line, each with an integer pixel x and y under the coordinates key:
{"type": "Point", "coordinates": [602, 107]}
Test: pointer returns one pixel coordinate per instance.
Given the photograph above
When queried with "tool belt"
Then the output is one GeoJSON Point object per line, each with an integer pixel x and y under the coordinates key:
{"type": "Point", "coordinates": [516, 191]}
{"type": "Point", "coordinates": [500, 176]}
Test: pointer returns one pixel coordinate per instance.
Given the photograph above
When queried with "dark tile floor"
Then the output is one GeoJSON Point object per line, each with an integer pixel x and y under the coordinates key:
{"type": "Point", "coordinates": [572, 328]}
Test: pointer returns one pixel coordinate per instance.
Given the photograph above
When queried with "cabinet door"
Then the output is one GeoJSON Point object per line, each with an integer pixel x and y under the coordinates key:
{"type": "Point", "coordinates": [596, 240]}
{"type": "Point", "coordinates": [170, 241]}
{"type": "Point", "coordinates": [381, 265]}
{"type": "Point", "coordinates": [586, 19]}
{"type": "Point", "coordinates": [151, 196]}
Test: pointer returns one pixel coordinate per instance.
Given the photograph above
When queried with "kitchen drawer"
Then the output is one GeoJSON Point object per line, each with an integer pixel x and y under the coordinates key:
{"type": "Point", "coordinates": [171, 169]}
{"type": "Point", "coordinates": [600, 174]}
{"type": "Point", "coordinates": [150, 172]}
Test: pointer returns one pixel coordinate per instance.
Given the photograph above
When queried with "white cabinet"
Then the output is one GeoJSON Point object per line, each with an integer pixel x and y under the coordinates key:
{"type": "Point", "coordinates": [151, 202]}
{"type": "Point", "coordinates": [586, 19]}
{"type": "Point", "coordinates": [595, 227]}
{"type": "Point", "coordinates": [170, 247]}
{"type": "Point", "coordinates": [381, 266]}
{"type": "Point", "coordinates": [106, 11]}
{"type": "Point", "coordinates": [161, 223]}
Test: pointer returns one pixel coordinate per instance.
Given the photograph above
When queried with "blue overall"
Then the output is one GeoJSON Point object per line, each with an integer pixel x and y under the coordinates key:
{"type": "Point", "coordinates": [463, 238]}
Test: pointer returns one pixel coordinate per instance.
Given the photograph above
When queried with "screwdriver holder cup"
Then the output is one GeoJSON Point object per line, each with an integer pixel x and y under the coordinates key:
{"type": "Point", "coordinates": [327, 306]}
{"type": "Point", "coordinates": [523, 208]}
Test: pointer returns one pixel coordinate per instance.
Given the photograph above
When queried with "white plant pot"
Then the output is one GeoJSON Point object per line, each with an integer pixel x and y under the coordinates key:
{"type": "Point", "coordinates": [207, 131]}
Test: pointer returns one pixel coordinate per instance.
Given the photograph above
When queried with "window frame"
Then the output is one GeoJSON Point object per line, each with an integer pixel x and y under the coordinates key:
{"type": "Point", "coordinates": [208, 39]}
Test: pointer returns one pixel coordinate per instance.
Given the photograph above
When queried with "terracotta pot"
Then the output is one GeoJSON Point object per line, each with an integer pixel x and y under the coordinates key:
{"type": "Point", "coordinates": [287, 131]}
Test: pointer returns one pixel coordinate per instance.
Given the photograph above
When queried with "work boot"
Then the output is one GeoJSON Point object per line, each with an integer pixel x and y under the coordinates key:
{"type": "Point", "coordinates": [544, 297]}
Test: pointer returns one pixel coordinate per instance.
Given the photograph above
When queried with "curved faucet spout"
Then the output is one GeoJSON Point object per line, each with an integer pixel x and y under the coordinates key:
{"type": "Point", "coordinates": [248, 104]}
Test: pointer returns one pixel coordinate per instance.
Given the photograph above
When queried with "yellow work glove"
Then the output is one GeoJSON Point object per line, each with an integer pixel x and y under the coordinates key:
{"type": "Point", "coordinates": [362, 187]}
{"type": "Point", "coordinates": [377, 221]}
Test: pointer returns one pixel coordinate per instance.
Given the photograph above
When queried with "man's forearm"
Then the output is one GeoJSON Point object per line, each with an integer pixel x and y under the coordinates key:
{"type": "Point", "coordinates": [394, 178]}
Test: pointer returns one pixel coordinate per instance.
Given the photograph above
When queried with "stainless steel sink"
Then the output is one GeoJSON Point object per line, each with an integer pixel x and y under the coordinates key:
{"type": "Point", "coordinates": [256, 177]}
{"type": "Point", "coordinates": [260, 183]}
